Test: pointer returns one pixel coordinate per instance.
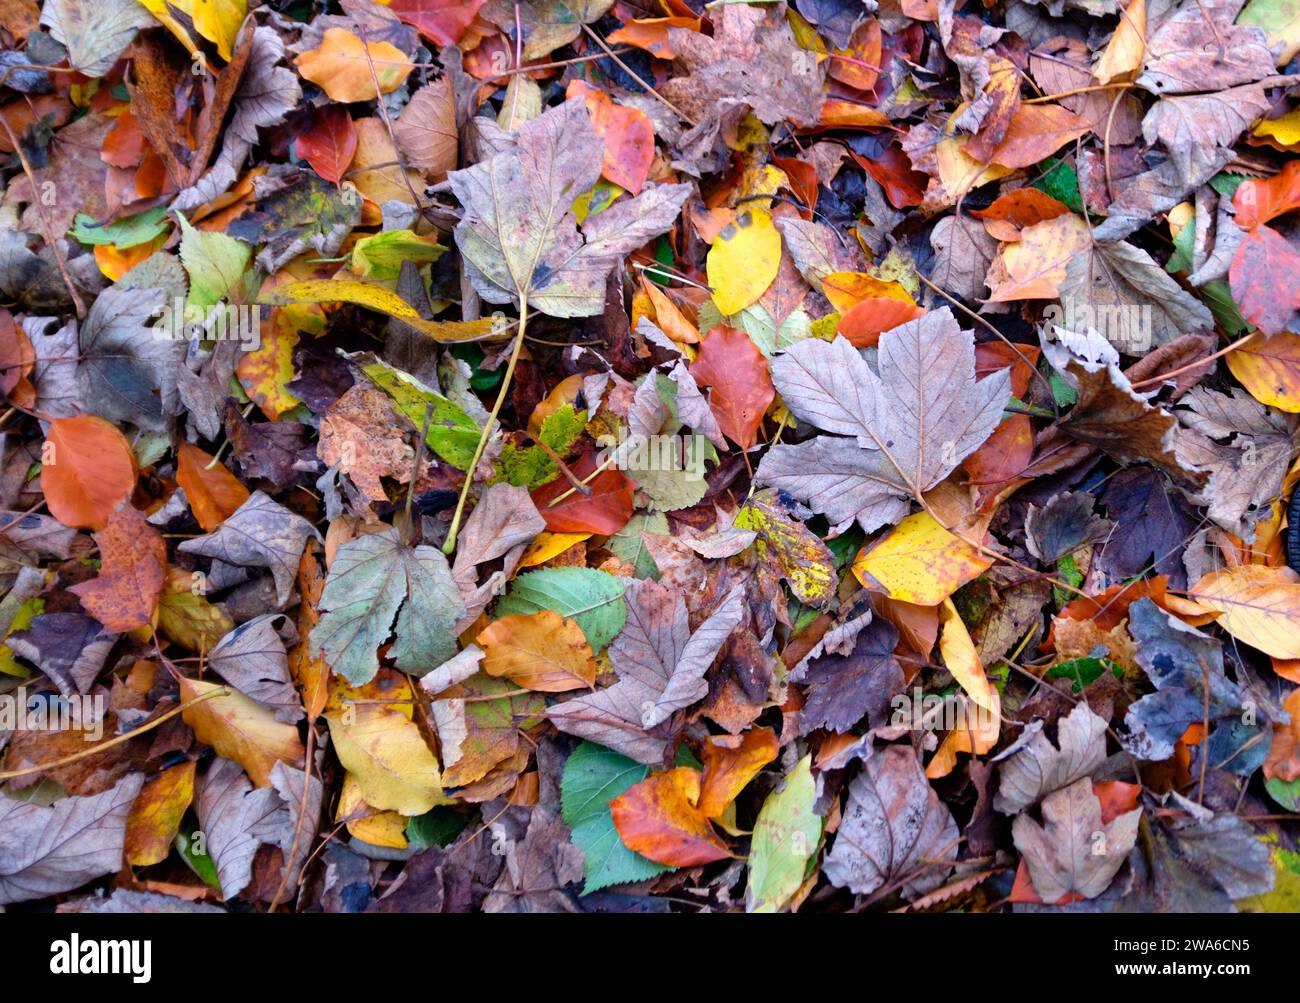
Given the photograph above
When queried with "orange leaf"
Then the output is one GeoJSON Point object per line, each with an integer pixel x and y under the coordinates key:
{"type": "Point", "coordinates": [1265, 279]}
{"type": "Point", "coordinates": [133, 565]}
{"type": "Point", "coordinates": [1036, 132]}
{"type": "Point", "coordinates": [732, 365]}
{"type": "Point", "coordinates": [212, 491]}
{"type": "Point", "coordinates": [659, 819]}
{"type": "Point", "coordinates": [87, 468]}
{"type": "Point", "coordinates": [1012, 212]}
{"type": "Point", "coordinates": [605, 511]}
{"type": "Point", "coordinates": [866, 322]}
{"type": "Point", "coordinates": [1258, 201]}
{"type": "Point", "coordinates": [443, 21]}
{"type": "Point", "coordinates": [731, 762]}
{"type": "Point", "coordinates": [539, 651]}
{"type": "Point", "coordinates": [628, 134]}
{"type": "Point", "coordinates": [1003, 456]}
{"type": "Point", "coordinates": [651, 34]}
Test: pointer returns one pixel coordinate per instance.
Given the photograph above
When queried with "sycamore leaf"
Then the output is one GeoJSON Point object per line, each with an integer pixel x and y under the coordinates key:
{"type": "Point", "coordinates": [914, 422]}
{"type": "Point", "coordinates": [519, 236]}
{"type": "Point", "coordinates": [372, 577]}
{"type": "Point", "coordinates": [660, 666]}
{"type": "Point", "coordinates": [1035, 767]}
{"type": "Point", "coordinates": [1073, 852]}
{"type": "Point", "coordinates": [262, 533]}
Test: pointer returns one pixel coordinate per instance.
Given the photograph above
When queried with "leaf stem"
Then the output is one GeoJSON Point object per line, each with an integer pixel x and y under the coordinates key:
{"type": "Point", "coordinates": [450, 545]}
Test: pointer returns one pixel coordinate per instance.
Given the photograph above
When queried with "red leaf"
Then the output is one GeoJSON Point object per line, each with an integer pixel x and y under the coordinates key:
{"type": "Point", "coordinates": [1265, 279]}
{"type": "Point", "coordinates": [1258, 201]}
{"type": "Point", "coordinates": [742, 384]}
{"type": "Point", "coordinates": [330, 143]}
{"type": "Point", "coordinates": [443, 21]}
{"type": "Point", "coordinates": [628, 134]}
{"type": "Point", "coordinates": [605, 511]}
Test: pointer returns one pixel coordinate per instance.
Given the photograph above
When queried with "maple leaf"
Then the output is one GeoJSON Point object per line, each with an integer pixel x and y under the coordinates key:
{"type": "Point", "coordinates": [913, 423]}
{"type": "Point", "coordinates": [372, 577]}
{"type": "Point", "coordinates": [660, 665]}
{"type": "Point", "coordinates": [519, 236]}
{"type": "Point", "coordinates": [1073, 852]}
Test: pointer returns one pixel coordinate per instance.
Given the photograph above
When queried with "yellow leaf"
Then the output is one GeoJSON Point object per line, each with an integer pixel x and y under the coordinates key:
{"type": "Point", "coordinates": [1258, 605]}
{"type": "Point", "coordinates": [548, 545]}
{"type": "Point", "coordinates": [743, 261]}
{"type": "Point", "coordinates": [240, 729]}
{"type": "Point", "coordinates": [156, 815]}
{"type": "Point", "coordinates": [846, 290]}
{"type": "Point", "coordinates": [976, 732]}
{"type": "Point", "coordinates": [342, 66]}
{"type": "Point", "coordinates": [961, 658]}
{"type": "Point", "coordinates": [1123, 56]}
{"type": "Point", "coordinates": [919, 562]}
{"type": "Point", "coordinates": [1270, 369]}
{"type": "Point", "coordinates": [387, 755]}
{"type": "Point", "coordinates": [378, 828]}
{"type": "Point", "coordinates": [539, 651]}
{"type": "Point", "coordinates": [960, 173]}
{"type": "Point", "coordinates": [379, 299]}
{"type": "Point", "coordinates": [218, 21]}
{"type": "Point", "coordinates": [1285, 131]}
{"type": "Point", "coordinates": [162, 10]}
{"type": "Point", "coordinates": [1034, 266]}
{"type": "Point", "coordinates": [265, 373]}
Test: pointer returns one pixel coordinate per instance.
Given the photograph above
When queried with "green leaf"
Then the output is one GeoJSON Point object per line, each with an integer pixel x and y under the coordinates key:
{"type": "Point", "coordinates": [785, 840]}
{"type": "Point", "coordinates": [531, 466]}
{"type": "Point", "coordinates": [436, 827]}
{"type": "Point", "coordinates": [453, 434]}
{"type": "Point", "coordinates": [629, 548]}
{"type": "Point", "coordinates": [1083, 671]}
{"type": "Point", "coordinates": [371, 577]}
{"type": "Point", "coordinates": [1061, 182]}
{"type": "Point", "coordinates": [1219, 299]}
{"type": "Point", "coordinates": [200, 863]}
{"type": "Point", "coordinates": [593, 777]}
{"type": "Point", "coordinates": [593, 598]}
{"type": "Point", "coordinates": [1284, 792]}
{"type": "Point", "coordinates": [129, 232]}
{"type": "Point", "coordinates": [214, 262]}
{"type": "Point", "coordinates": [380, 256]}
